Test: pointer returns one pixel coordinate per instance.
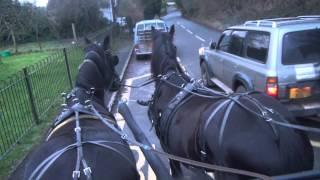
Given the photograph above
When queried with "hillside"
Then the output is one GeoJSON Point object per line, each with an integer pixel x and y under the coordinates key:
{"type": "Point", "coordinates": [221, 14]}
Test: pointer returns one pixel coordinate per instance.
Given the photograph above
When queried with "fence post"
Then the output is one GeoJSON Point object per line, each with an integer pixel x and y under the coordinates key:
{"type": "Point", "coordinates": [31, 96]}
{"type": "Point", "coordinates": [68, 67]}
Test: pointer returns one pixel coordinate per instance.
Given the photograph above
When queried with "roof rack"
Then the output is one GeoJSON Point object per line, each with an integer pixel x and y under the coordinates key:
{"type": "Point", "coordinates": [277, 22]}
{"type": "Point", "coordinates": [310, 17]}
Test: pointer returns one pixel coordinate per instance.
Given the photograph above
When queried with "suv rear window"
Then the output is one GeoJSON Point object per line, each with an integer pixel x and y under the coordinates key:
{"type": "Point", "coordinates": [301, 47]}
{"type": "Point", "coordinates": [257, 45]}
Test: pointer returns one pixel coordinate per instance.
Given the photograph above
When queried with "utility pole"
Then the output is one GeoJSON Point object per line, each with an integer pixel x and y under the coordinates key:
{"type": "Point", "coordinates": [112, 11]}
{"type": "Point", "coordinates": [74, 33]}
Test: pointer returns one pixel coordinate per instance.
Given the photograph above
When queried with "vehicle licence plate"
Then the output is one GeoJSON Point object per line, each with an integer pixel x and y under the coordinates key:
{"type": "Point", "coordinates": [296, 93]}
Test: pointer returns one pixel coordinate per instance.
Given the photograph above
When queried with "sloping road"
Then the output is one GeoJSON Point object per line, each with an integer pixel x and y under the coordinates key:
{"type": "Point", "coordinates": [189, 37]}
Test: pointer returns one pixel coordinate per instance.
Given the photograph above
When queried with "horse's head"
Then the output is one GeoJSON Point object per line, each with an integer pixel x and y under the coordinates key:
{"type": "Point", "coordinates": [98, 69]}
{"type": "Point", "coordinates": [164, 52]}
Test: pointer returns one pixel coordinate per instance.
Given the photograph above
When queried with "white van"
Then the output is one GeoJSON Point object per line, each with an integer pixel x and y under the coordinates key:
{"type": "Point", "coordinates": [142, 36]}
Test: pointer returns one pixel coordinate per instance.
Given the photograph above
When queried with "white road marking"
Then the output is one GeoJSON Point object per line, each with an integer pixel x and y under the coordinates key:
{"type": "Point", "coordinates": [140, 158]}
{"type": "Point", "coordinates": [201, 39]}
{"type": "Point", "coordinates": [182, 66]}
{"type": "Point", "coordinates": [315, 144]}
{"type": "Point", "coordinates": [140, 77]}
{"type": "Point", "coordinates": [190, 32]}
{"type": "Point", "coordinates": [127, 91]}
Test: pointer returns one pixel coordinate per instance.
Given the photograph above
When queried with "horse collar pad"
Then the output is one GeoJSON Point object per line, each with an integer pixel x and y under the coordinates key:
{"type": "Point", "coordinates": [174, 104]}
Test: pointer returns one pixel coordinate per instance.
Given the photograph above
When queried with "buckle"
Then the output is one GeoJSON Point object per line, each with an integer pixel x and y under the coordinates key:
{"type": "Point", "coordinates": [76, 174]}
{"type": "Point", "coordinates": [269, 119]}
{"type": "Point", "coordinates": [87, 171]}
{"type": "Point", "coordinates": [77, 129]}
{"type": "Point", "coordinates": [124, 136]}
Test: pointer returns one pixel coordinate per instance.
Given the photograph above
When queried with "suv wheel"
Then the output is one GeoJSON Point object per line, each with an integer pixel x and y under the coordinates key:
{"type": "Point", "coordinates": [241, 89]}
{"type": "Point", "coordinates": [205, 76]}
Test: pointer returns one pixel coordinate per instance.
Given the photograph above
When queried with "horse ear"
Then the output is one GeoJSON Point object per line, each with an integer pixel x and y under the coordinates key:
{"type": "Point", "coordinates": [86, 40]}
{"type": "Point", "coordinates": [106, 43]}
{"type": "Point", "coordinates": [172, 30]}
{"type": "Point", "coordinates": [153, 29]}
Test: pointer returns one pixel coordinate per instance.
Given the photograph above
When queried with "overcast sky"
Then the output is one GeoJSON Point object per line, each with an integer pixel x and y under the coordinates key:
{"type": "Point", "coordinates": [37, 2]}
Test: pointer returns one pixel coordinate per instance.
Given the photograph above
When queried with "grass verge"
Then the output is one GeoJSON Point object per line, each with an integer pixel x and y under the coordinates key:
{"type": "Point", "coordinates": [13, 64]}
{"type": "Point", "coordinates": [27, 143]}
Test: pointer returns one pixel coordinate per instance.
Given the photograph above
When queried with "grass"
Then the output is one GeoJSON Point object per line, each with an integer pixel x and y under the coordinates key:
{"type": "Point", "coordinates": [13, 64]}
{"type": "Point", "coordinates": [34, 46]}
{"type": "Point", "coordinates": [48, 79]}
{"type": "Point", "coordinates": [27, 143]}
{"type": "Point", "coordinates": [53, 44]}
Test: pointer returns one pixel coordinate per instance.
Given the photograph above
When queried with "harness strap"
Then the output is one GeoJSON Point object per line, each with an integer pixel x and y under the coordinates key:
{"type": "Point", "coordinates": [80, 155]}
{"type": "Point", "coordinates": [225, 118]}
{"type": "Point", "coordinates": [45, 164]}
{"type": "Point", "coordinates": [265, 112]}
{"type": "Point", "coordinates": [76, 173]}
{"type": "Point", "coordinates": [71, 119]}
{"type": "Point", "coordinates": [202, 143]}
{"type": "Point", "coordinates": [174, 104]}
{"type": "Point", "coordinates": [94, 114]}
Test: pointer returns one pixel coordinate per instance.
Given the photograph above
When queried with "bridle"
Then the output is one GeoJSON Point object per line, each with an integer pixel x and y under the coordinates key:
{"type": "Point", "coordinates": [107, 54]}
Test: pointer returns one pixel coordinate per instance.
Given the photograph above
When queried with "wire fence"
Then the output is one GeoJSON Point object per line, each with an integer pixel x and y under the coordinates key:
{"type": "Point", "coordinates": [28, 95]}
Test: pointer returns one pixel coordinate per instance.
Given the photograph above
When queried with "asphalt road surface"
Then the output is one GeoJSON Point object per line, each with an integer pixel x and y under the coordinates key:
{"type": "Point", "coordinates": [189, 37]}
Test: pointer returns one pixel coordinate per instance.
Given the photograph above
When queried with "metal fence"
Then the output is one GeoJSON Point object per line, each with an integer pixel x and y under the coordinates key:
{"type": "Point", "coordinates": [28, 95]}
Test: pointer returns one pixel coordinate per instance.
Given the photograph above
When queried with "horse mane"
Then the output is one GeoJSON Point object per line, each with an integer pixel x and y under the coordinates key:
{"type": "Point", "coordinates": [163, 61]}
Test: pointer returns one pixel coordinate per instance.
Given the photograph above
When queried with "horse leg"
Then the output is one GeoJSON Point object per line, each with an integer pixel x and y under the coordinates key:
{"type": "Point", "coordinates": [175, 168]}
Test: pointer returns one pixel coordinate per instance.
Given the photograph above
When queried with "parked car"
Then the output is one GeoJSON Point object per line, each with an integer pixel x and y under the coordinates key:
{"type": "Point", "coordinates": [142, 36]}
{"type": "Point", "coordinates": [280, 57]}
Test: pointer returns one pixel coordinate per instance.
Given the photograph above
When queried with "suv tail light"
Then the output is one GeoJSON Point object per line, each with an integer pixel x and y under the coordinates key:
{"type": "Point", "coordinates": [272, 88]}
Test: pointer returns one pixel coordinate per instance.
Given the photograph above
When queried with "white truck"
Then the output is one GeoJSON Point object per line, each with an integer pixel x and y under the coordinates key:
{"type": "Point", "coordinates": [142, 36]}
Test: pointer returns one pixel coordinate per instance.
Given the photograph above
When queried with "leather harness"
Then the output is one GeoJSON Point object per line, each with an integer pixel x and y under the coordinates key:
{"type": "Point", "coordinates": [73, 114]}
{"type": "Point", "coordinates": [163, 120]}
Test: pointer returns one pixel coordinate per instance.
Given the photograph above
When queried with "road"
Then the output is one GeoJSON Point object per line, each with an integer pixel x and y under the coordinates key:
{"type": "Point", "coordinates": [189, 37]}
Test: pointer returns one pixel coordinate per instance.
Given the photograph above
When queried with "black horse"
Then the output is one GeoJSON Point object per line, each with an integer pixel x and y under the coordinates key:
{"type": "Point", "coordinates": [80, 144]}
{"type": "Point", "coordinates": [228, 130]}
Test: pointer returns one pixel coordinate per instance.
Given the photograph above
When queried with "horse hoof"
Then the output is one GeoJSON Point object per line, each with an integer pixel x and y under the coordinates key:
{"type": "Point", "coordinates": [143, 103]}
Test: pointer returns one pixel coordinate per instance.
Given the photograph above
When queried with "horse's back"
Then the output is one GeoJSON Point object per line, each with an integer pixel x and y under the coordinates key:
{"type": "Point", "coordinates": [250, 142]}
{"type": "Point", "coordinates": [114, 161]}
